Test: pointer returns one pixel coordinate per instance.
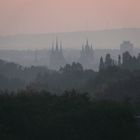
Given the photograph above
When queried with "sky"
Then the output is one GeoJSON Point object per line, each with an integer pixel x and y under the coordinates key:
{"type": "Point", "coordinates": [45, 16]}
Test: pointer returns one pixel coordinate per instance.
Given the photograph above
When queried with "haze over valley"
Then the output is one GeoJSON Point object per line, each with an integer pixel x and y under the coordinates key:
{"type": "Point", "coordinates": [101, 39]}
{"type": "Point", "coordinates": [69, 69]}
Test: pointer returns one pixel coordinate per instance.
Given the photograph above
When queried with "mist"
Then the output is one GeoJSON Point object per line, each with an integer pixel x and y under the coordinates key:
{"type": "Point", "coordinates": [69, 70]}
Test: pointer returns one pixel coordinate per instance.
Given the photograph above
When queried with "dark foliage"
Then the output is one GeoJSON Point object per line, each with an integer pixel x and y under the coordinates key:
{"type": "Point", "coordinates": [30, 115]}
{"type": "Point", "coordinates": [14, 76]}
{"type": "Point", "coordinates": [68, 77]}
{"type": "Point", "coordinates": [114, 83]}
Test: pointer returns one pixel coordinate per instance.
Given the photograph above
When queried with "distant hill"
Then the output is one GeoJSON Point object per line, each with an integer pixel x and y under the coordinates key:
{"type": "Point", "coordinates": [101, 39]}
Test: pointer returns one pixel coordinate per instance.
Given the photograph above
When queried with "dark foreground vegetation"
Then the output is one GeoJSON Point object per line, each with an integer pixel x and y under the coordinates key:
{"type": "Point", "coordinates": [29, 115]}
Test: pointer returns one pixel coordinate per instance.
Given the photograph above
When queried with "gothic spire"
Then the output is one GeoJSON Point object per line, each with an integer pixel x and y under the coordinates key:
{"type": "Point", "coordinates": [60, 46]}
{"type": "Point", "coordinates": [57, 49]}
{"type": "Point", "coordinates": [52, 47]}
{"type": "Point", "coordinates": [87, 43]}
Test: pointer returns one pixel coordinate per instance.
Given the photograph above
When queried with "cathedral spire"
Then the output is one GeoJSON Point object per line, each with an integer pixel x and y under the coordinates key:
{"type": "Point", "coordinates": [87, 55]}
{"type": "Point", "coordinates": [87, 42]}
{"type": "Point", "coordinates": [57, 58]}
{"type": "Point", "coordinates": [57, 48]}
{"type": "Point", "coordinates": [61, 47]}
{"type": "Point", "coordinates": [52, 47]}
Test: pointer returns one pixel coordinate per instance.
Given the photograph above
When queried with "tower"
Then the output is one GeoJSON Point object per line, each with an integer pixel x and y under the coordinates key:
{"type": "Point", "coordinates": [87, 55]}
{"type": "Point", "coordinates": [57, 59]}
{"type": "Point", "coordinates": [126, 46]}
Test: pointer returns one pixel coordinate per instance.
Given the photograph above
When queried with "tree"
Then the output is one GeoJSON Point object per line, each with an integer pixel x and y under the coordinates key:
{"type": "Point", "coordinates": [101, 65]}
{"type": "Point", "coordinates": [74, 67]}
{"type": "Point", "coordinates": [119, 60]}
{"type": "Point", "coordinates": [108, 60]}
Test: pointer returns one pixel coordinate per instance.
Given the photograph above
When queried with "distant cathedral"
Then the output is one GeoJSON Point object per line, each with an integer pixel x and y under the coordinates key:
{"type": "Point", "coordinates": [57, 59]}
{"type": "Point", "coordinates": [87, 56]}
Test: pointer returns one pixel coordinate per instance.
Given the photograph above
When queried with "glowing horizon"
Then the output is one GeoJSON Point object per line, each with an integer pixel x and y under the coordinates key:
{"type": "Point", "coordinates": [45, 16]}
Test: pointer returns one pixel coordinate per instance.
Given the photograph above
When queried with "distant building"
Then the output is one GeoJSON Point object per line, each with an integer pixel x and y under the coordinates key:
{"type": "Point", "coordinates": [57, 59]}
{"type": "Point", "coordinates": [87, 56]}
{"type": "Point", "coordinates": [126, 46]}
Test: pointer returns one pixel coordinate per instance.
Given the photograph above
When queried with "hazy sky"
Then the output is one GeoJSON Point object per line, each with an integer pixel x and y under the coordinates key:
{"type": "Point", "coordinates": [43, 16]}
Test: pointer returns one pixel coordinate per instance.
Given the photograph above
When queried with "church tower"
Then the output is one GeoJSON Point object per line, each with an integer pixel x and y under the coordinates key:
{"type": "Point", "coordinates": [87, 55]}
{"type": "Point", "coordinates": [57, 59]}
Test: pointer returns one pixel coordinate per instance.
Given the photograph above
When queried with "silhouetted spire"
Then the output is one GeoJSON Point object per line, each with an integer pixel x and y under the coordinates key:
{"type": "Point", "coordinates": [101, 65]}
{"type": "Point", "coordinates": [57, 49]}
{"type": "Point", "coordinates": [61, 47]}
{"type": "Point", "coordinates": [56, 58]}
{"type": "Point", "coordinates": [87, 55]}
{"type": "Point", "coordinates": [87, 43]}
{"type": "Point", "coordinates": [119, 60]}
{"type": "Point", "coordinates": [52, 47]}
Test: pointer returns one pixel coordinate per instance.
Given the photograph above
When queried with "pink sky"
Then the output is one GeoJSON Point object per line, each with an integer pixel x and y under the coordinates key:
{"type": "Point", "coordinates": [43, 16]}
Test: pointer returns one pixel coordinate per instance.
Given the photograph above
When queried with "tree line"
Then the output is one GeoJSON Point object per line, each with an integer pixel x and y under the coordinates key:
{"type": "Point", "coordinates": [115, 80]}
{"type": "Point", "coordinates": [31, 115]}
{"type": "Point", "coordinates": [126, 61]}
